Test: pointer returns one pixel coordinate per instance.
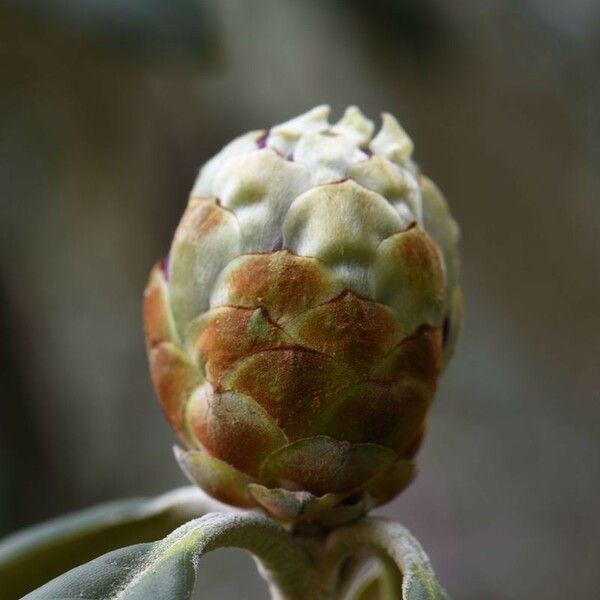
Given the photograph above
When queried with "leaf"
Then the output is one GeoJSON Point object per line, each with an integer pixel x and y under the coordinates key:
{"type": "Point", "coordinates": [294, 569]}
{"type": "Point", "coordinates": [165, 569]}
{"type": "Point", "coordinates": [32, 557]}
{"type": "Point", "coordinates": [370, 588]}
{"type": "Point", "coordinates": [422, 585]}
{"type": "Point", "coordinates": [404, 564]}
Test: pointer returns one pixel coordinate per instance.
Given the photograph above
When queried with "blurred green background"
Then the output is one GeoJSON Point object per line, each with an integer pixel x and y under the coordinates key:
{"type": "Point", "coordinates": [107, 109]}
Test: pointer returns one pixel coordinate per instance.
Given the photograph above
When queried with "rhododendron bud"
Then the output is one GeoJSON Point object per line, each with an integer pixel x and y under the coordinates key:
{"type": "Point", "coordinates": [298, 327]}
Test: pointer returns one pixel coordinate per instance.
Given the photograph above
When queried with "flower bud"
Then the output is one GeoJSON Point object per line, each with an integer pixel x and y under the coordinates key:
{"type": "Point", "coordinates": [297, 329]}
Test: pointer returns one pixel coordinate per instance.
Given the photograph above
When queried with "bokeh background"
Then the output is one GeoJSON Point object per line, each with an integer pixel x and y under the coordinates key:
{"type": "Point", "coordinates": [108, 108]}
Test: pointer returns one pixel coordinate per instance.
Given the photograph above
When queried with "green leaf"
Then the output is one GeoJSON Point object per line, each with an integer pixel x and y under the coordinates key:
{"type": "Point", "coordinates": [296, 567]}
{"type": "Point", "coordinates": [165, 569]}
{"type": "Point", "coordinates": [371, 588]}
{"type": "Point", "coordinates": [37, 554]}
{"type": "Point", "coordinates": [378, 585]}
{"type": "Point", "coordinates": [405, 572]}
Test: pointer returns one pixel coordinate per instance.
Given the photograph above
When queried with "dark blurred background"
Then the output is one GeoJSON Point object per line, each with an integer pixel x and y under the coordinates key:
{"type": "Point", "coordinates": [107, 109]}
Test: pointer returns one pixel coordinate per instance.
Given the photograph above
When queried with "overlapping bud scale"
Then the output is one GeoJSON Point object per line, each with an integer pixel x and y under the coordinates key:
{"type": "Point", "coordinates": [297, 330]}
